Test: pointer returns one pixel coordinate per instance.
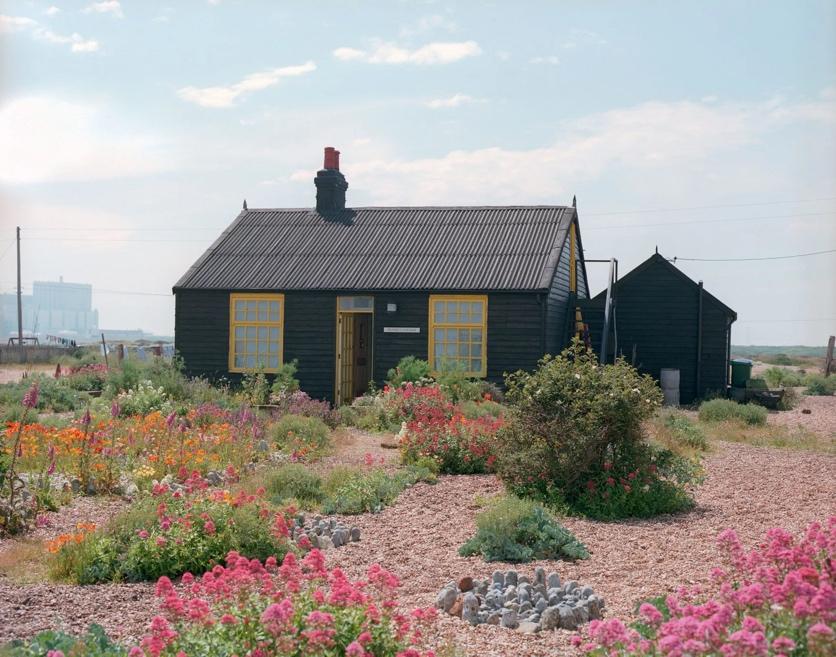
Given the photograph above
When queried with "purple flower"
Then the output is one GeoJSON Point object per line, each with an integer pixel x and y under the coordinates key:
{"type": "Point", "coordinates": [114, 409]}
{"type": "Point", "coordinates": [30, 399]}
{"type": "Point", "coordinates": [85, 420]}
{"type": "Point", "coordinates": [51, 469]}
{"type": "Point", "coordinates": [169, 421]}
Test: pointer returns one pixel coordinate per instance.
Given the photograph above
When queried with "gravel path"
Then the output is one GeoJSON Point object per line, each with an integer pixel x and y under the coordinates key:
{"type": "Point", "coordinates": [821, 417]}
{"type": "Point", "coordinates": [748, 488]}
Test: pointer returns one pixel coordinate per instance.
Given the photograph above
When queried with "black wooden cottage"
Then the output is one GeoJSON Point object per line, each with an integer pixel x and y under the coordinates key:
{"type": "Point", "coordinates": [663, 319]}
{"type": "Point", "coordinates": [349, 291]}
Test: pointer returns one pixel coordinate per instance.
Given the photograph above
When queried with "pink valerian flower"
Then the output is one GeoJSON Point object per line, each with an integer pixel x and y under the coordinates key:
{"type": "Point", "coordinates": [819, 630]}
{"type": "Point", "coordinates": [209, 527]}
{"type": "Point", "coordinates": [55, 653]}
{"type": "Point", "coordinates": [651, 614]}
{"type": "Point", "coordinates": [277, 616]}
{"type": "Point", "coordinates": [30, 399]}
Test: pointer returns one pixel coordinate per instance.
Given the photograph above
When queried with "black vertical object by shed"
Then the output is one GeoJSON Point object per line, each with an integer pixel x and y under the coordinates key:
{"type": "Point", "coordinates": [515, 262]}
{"type": "Point", "coordinates": [668, 321]}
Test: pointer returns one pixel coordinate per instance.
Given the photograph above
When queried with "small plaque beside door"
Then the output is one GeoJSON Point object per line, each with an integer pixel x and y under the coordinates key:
{"type": "Point", "coordinates": [401, 329]}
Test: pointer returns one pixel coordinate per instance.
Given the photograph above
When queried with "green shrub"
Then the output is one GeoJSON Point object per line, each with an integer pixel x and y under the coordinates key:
{"type": "Point", "coordinates": [572, 422]}
{"type": "Point", "coordinates": [820, 385]}
{"type": "Point", "coordinates": [353, 490]}
{"type": "Point", "coordinates": [781, 377]}
{"type": "Point", "coordinates": [457, 386]}
{"type": "Point", "coordinates": [95, 643]}
{"type": "Point", "coordinates": [161, 373]}
{"type": "Point", "coordinates": [171, 535]}
{"type": "Point", "coordinates": [408, 370]}
{"type": "Point", "coordinates": [55, 396]}
{"type": "Point", "coordinates": [255, 387]}
{"type": "Point", "coordinates": [474, 410]}
{"type": "Point", "coordinates": [720, 410]}
{"type": "Point", "coordinates": [686, 432]}
{"type": "Point", "coordinates": [285, 381]}
{"type": "Point", "coordinates": [294, 481]}
{"type": "Point", "coordinates": [143, 399]}
{"type": "Point", "coordinates": [516, 530]}
{"type": "Point", "coordinates": [302, 436]}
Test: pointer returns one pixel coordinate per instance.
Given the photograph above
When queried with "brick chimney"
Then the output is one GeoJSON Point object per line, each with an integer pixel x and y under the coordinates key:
{"type": "Point", "coordinates": [330, 184]}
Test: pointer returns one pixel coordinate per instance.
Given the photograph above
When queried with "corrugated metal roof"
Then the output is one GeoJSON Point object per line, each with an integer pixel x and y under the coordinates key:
{"type": "Point", "coordinates": [409, 248]}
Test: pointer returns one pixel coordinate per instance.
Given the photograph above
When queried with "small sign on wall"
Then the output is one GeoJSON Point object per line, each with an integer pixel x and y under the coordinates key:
{"type": "Point", "coordinates": [401, 329]}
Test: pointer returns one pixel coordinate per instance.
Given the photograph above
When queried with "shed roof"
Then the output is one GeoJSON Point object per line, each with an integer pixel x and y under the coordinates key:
{"type": "Point", "coordinates": [657, 259]}
{"type": "Point", "coordinates": [380, 248]}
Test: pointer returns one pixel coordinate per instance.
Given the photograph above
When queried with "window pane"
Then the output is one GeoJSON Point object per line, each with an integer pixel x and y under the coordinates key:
{"type": "Point", "coordinates": [239, 361]}
{"type": "Point", "coordinates": [240, 315]}
{"type": "Point", "coordinates": [439, 311]}
{"type": "Point", "coordinates": [273, 362]}
{"type": "Point", "coordinates": [240, 306]}
{"type": "Point", "coordinates": [274, 311]}
{"type": "Point", "coordinates": [274, 333]}
{"type": "Point", "coordinates": [263, 332]}
{"type": "Point", "coordinates": [251, 332]}
{"type": "Point", "coordinates": [464, 335]}
{"type": "Point", "coordinates": [476, 313]}
{"type": "Point", "coordinates": [464, 349]}
{"type": "Point", "coordinates": [438, 335]}
{"type": "Point", "coordinates": [251, 347]}
{"type": "Point", "coordinates": [250, 361]}
{"type": "Point", "coordinates": [240, 332]}
{"type": "Point", "coordinates": [439, 351]}
{"type": "Point", "coordinates": [476, 349]}
{"type": "Point", "coordinates": [240, 345]}
{"type": "Point", "coordinates": [452, 311]}
{"type": "Point", "coordinates": [274, 347]}
{"type": "Point", "coordinates": [262, 311]}
{"type": "Point", "coordinates": [476, 365]}
{"type": "Point", "coordinates": [450, 349]}
{"type": "Point", "coordinates": [476, 335]}
{"type": "Point", "coordinates": [262, 347]}
{"type": "Point", "coordinates": [451, 335]}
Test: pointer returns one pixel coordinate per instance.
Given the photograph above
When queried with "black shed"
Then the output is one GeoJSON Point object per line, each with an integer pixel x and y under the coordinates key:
{"type": "Point", "coordinates": [349, 291]}
{"type": "Point", "coordinates": [663, 319]}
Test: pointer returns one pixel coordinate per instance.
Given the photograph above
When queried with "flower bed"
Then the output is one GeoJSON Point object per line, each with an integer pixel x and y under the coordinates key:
{"type": "Point", "coordinates": [172, 533]}
{"type": "Point", "coordinates": [296, 608]}
{"type": "Point", "coordinates": [777, 599]}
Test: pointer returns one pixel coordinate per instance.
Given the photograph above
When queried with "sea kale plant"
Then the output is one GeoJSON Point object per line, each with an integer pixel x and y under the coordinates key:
{"type": "Point", "coordinates": [777, 600]}
{"type": "Point", "coordinates": [573, 436]}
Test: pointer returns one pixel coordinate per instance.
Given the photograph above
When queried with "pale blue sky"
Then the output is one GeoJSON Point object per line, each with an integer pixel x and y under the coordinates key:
{"type": "Point", "coordinates": [130, 132]}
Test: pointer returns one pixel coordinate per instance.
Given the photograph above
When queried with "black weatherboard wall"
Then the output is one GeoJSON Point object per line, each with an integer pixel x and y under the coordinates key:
{"type": "Point", "coordinates": [657, 310]}
{"type": "Point", "coordinates": [515, 336]}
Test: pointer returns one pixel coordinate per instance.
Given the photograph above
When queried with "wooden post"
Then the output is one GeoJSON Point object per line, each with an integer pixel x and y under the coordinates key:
{"type": "Point", "coordinates": [104, 350]}
{"type": "Point", "coordinates": [828, 359]}
{"type": "Point", "coordinates": [19, 296]}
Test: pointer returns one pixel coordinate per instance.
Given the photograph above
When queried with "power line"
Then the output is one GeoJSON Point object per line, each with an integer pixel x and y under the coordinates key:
{"type": "Point", "coordinates": [705, 221]}
{"type": "Point", "coordinates": [709, 207]}
{"type": "Point", "coordinates": [784, 257]}
{"type": "Point", "coordinates": [6, 250]}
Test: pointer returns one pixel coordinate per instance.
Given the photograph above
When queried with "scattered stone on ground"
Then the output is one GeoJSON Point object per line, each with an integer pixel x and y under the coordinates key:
{"type": "Point", "coordinates": [512, 600]}
{"type": "Point", "coordinates": [322, 533]}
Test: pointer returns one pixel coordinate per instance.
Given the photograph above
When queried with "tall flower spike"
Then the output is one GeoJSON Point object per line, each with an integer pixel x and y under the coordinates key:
{"type": "Point", "coordinates": [30, 399]}
{"type": "Point", "coordinates": [85, 420]}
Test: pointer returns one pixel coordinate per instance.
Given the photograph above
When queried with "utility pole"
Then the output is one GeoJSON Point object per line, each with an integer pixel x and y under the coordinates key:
{"type": "Point", "coordinates": [19, 297]}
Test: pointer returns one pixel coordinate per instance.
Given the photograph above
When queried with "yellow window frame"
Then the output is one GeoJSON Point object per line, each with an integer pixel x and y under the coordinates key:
{"type": "Point", "coordinates": [483, 325]}
{"type": "Point", "coordinates": [235, 323]}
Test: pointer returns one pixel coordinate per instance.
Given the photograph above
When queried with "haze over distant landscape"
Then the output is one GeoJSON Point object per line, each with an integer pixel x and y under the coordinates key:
{"type": "Point", "coordinates": [130, 133]}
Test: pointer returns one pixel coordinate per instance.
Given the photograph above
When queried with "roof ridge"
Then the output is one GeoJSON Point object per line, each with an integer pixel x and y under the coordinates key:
{"type": "Point", "coordinates": [420, 207]}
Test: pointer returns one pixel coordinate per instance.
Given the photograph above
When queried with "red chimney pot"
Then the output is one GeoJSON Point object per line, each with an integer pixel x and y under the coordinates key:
{"type": "Point", "coordinates": [332, 158]}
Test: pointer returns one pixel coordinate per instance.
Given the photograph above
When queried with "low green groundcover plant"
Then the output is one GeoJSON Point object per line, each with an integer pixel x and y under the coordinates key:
{"type": "Point", "coordinates": [301, 437]}
{"type": "Point", "coordinates": [408, 370]}
{"type": "Point", "coordinates": [172, 533]}
{"type": "Point", "coordinates": [95, 643]}
{"type": "Point", "coordinates": [516, 530]}
{"type": "Point", "coordinates": [573, 438]}
{"type": "Point", "coordinates": [720, 410]}
{"type": "Point", "coordinates": [368, 490]}
{"type": "Point", "coordinates": [293, 481]}
{"type": "Point", "coordinates": [819, 385]}
{"type": "Point", "coordinates": [296, 608]}
{"type": "Point", "coordinates": [774, 601]}
{"type": "Point", "coordinates": [685, 431]}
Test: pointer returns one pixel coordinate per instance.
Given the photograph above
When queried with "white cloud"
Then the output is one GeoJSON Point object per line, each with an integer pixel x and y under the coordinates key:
{"type": "Point", "coordinates": [47, 139]}
{"type": "Point", "coordinates": [226, 96]}
{"type": "Point", "coordinates": [437, 52]}
{"type": "Point", "coordinates": [77, 43]}
{"type": "Point", "coordinates": [9, 24]}
{"type": "Point", "coordinates": [554, 60]}
{"type": "Point", "coordinates": [52, 10]}
{"type": "Point", "coordinates": [112, 7]}
{"type": "Point", "coordinates": [669, 139]}
{"type": "Point", "coordinates": [578, 37]}
{"type": "Point", "coordinates": [455, 100]}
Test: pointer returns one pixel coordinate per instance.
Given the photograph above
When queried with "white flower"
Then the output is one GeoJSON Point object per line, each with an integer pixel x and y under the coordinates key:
{"type": "Point", "coordinates": [636, 390]}
{"type": "Point", "coordinates": [577, 376]}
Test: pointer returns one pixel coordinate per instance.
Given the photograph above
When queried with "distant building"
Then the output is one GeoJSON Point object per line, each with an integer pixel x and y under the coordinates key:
{"type": "Point", "coordinates": [54, 308]}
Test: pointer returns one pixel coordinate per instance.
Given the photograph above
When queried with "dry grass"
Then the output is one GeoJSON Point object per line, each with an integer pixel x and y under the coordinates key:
{"type": "Point", "coordinates": [24, 562]}
{"type": "Point", "coordinates": [770, 435]}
